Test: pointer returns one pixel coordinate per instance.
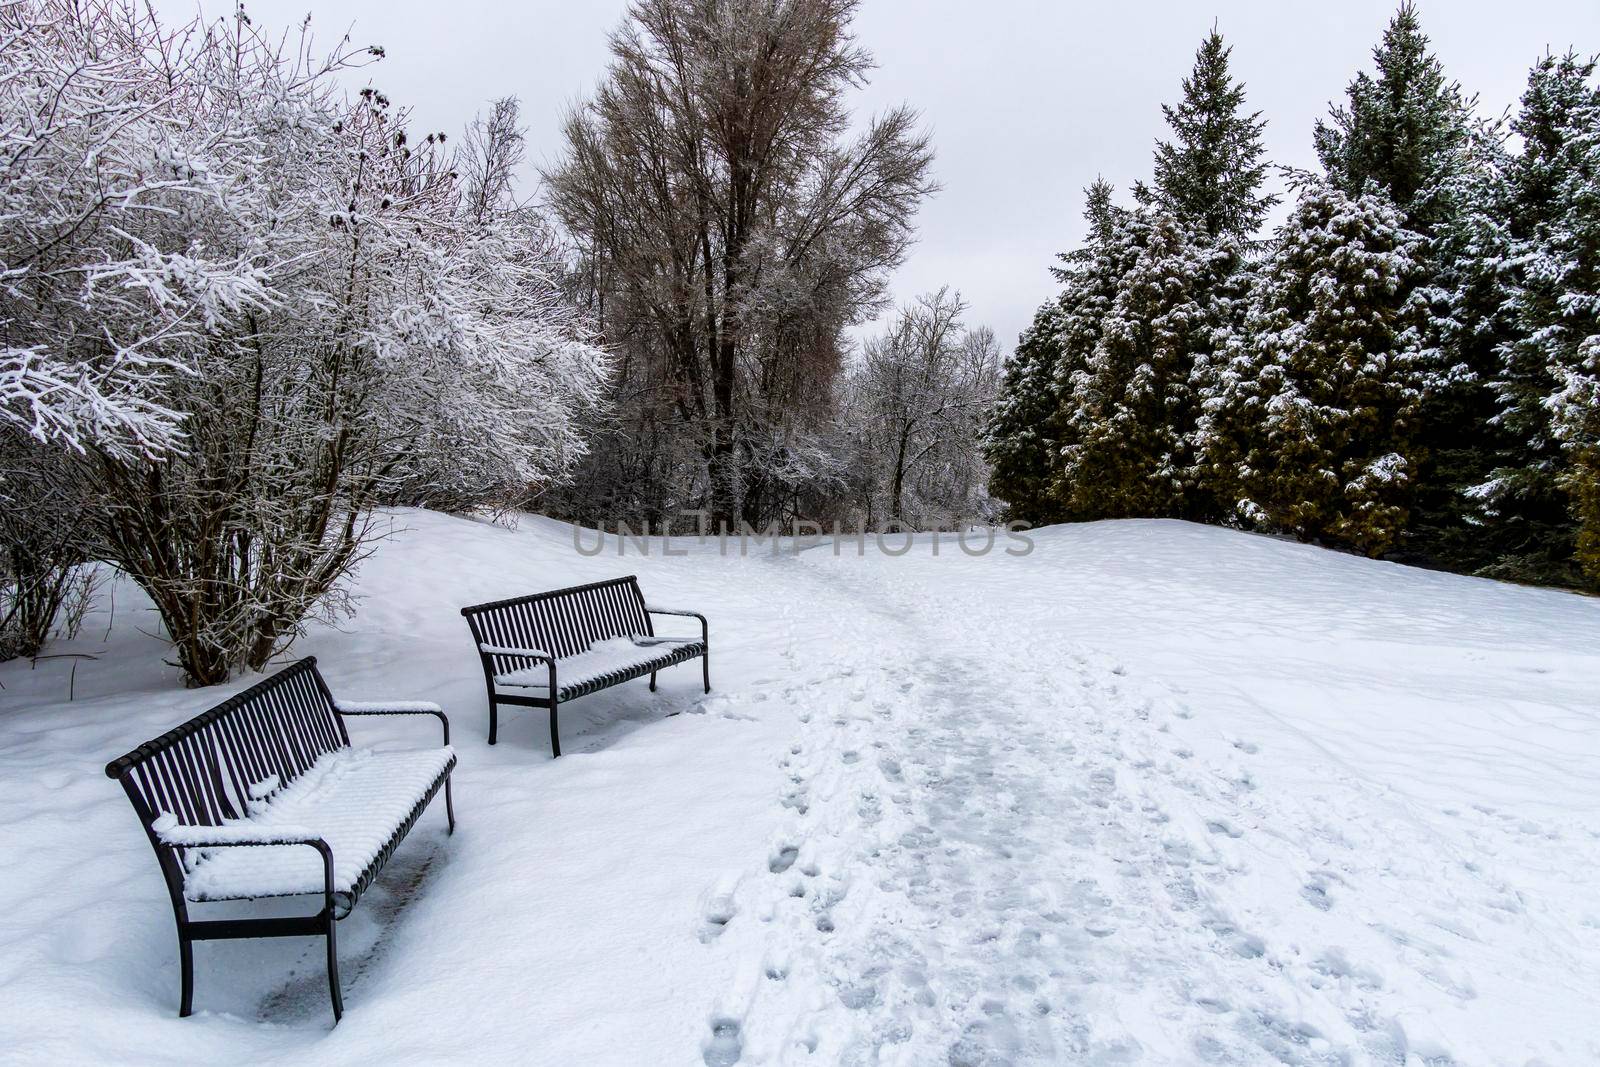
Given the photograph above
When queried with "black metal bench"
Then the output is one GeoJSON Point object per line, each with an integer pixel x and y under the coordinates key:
{"type": "Point", "coordinates": [596, 635]}
{"type": "Point", "coordinates": [264, 796]}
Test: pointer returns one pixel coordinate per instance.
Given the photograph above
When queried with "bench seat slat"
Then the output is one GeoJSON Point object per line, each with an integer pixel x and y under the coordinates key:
{"type": "Point", "coordinates": [603, 666]}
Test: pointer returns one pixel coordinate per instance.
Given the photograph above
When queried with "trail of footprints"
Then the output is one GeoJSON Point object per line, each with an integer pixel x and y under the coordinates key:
{"type": "Point", "coordinates": [974, 883]}
{"type": "Point", "coordinates": [906, 789]}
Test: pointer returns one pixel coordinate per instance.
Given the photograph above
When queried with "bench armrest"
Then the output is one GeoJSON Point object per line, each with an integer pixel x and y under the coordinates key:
{"type": "Point", "coordinates": [538, 655]}
{"type": "Point", "coordinates": [394, 707]}
{"type": "Point", "coordinates": [180, 836]}
{"type": "Point", "coordinates": [705, 633]}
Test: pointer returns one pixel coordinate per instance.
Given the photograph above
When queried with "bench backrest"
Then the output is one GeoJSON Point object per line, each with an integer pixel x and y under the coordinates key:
{"type": "Point", "coordinates": [562, 622]}
{"type": "Point", "coordinates": [202, 771]}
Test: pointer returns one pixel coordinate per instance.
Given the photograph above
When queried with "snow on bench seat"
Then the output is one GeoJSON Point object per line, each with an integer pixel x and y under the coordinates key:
{"type": "Point", "coordinates": [611, 656]}
{"type": "Point", "coordinates": [354, 799]}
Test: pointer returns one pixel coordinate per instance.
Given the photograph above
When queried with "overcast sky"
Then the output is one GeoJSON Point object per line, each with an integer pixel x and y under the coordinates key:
{"type": "Point", "coordinates": [1028, 100]}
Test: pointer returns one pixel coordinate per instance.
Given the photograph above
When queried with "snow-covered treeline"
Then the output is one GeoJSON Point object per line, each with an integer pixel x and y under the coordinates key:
{"type": "Point", "coordinates": [241, 308]}
{"type": "Point", "coordinates": [912, 415]}
{"type": "Point", "coordinates": [1407, 367]}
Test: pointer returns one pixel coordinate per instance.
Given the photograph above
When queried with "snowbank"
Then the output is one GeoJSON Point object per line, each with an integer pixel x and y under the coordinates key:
{"type": "Point", "coordinates": [1152, 793]}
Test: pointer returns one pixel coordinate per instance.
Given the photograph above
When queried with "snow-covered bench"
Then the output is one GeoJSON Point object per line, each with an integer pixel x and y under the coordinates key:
{"type": "Point", "coordinates": [594, 636]}
{"type": "Point", "coordinates": [264, 796]}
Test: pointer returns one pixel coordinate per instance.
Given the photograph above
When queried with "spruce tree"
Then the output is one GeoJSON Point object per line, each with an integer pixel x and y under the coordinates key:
{"type": "Point", "coordinates": [1179, 267]}
{"type": "Point", "coordinates": [1405, 130]}
{"type": "Point", "coordinates": [1312, 423]}
{"type": "Point", "coordinates": [1210, 174]}
{"type": "Point", "coordinates": [1132, 406]}
{"type": "Point", "coordinates": [1408, 132]}
{"type": "Point", "coordinates": [1024, 437]}
{"type": "Point", "coordinates": [1459, 305]}
{"type": "Point", "coordinates": [1558, 311]}
{"type": "Point", "coordinates": [1020, 439]}
{"type": "Point", "coordinates": [1525, 507]}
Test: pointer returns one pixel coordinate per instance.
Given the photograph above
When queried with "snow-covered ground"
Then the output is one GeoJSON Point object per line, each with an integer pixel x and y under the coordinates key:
{"type": "Point", "coordinates": [1153, 793]}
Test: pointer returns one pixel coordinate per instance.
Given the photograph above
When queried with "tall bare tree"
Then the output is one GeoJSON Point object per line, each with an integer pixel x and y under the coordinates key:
{"type": "Point", "coordinates": [735, 231]}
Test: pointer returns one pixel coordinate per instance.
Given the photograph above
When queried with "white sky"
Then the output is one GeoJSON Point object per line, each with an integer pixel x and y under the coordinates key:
{"type": "Point", "coordinates": [1028, 100]}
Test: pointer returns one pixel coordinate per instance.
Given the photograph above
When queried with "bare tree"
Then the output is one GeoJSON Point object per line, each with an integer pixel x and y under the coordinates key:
{"type": "Point", "coordinates": [916, 403]}
{"type": "Point", "coordinates": [734, 231]}
{"type": "Point", "coordinates": [494, 149]}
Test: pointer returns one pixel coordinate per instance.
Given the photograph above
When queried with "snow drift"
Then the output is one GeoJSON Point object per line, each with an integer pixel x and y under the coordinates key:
{"type": "Point", "coordinates": [1152, 793]}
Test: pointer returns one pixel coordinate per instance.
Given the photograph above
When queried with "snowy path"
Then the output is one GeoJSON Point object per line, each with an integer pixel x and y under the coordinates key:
{"type": "Point", "coordinates": [983, 869]}
{"type": "Point", "coordinates": [1153, 794]}
{"type": "Point", "coordinates": [1001, 850]}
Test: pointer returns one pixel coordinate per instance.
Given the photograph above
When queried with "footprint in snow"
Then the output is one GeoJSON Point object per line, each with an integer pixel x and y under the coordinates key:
{"type": "Point", "coordinates": [783, 859]}
{"type": "Point", "coordinates": [796, 799]}
{"type": "Point", "coordinates": [718, 909]}
{"type": "Point", "coordinates": [724, 1047]}
{"type": "Point", "coordinates": [1248, 946]}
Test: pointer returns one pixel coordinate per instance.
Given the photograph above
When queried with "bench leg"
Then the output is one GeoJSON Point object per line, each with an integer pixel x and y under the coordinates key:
{"type": "Point", "coordinates": [186, 971]}
{"type": "Point", "coordinates": [652, 681]}
{"type": "Point", "coordinates": [494, 722]}
{"type": "Point", "coordinates": [449, 805]}
{"type": "Point", "coordinates": [705, 669]}
{"type": "Point", "coordinates": [333, 971]}
{"type": "Point", "coordinates": [555, 735]}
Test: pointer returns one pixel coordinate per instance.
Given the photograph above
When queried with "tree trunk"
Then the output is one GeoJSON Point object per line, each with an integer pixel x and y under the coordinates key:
{"type": "Point", "coordinates": [898, 486]}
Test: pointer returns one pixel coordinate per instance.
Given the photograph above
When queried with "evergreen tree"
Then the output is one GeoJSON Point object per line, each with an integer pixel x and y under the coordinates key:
{"type": "Point", "coordinates": [1311, 420]}
{"type": "Point", "coordinates": [1178, 271]}
{"type": "Point", "coordinates": [1210, 174]}
{"type": "Point", "coordinates": [1525, 506]}
{"type": "Point", "coordinates": [1559, 316]}
{"type": "Point", "coordinates": [1131, 407]}
{"type": "Point", "coordinates": [1019, 439]}
{"type": "Point", "coordinates": [1459, 305]}
{"type": "Point", "coordinates": [1408, 132]}
{"type": "Point", "coordinates": [1024, 436]}
{"type": "Point", "coordinates": [1405, 130]}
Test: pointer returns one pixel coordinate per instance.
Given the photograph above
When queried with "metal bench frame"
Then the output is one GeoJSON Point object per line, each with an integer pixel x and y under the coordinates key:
{"type": "Point", "coordinates": [551, 626]}
{"type": "Point", "coordinates": [200, 771]}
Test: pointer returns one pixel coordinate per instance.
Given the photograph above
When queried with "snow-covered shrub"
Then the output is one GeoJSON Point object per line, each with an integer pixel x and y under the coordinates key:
{"type": "Point", "coordinates": [340, 322]}
{"type": "Point", "coordinates": [105, 286]}
{"type": "Point", "coordinates": [44, 585]}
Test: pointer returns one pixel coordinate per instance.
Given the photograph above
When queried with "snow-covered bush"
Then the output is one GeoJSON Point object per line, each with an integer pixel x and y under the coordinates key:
{"type": "Point", "coordinates": [105, 285]}
{"type": "Point", "coordinates": [42, 573]}
{"type": "Point", "coordinates": [338, 319]}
